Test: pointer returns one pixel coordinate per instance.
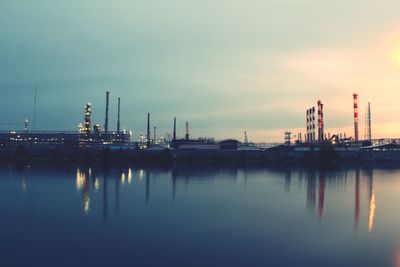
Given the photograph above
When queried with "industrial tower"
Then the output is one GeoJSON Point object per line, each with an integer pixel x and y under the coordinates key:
{"type": "Point", "coordinates": [320, 121]}
{"type": "Point", "coordinates": [187, 131]}
{"type": "Point", "coordinates": [118, 116]}
{"type": "Point", "coordinates": [310, 125]}
{"type": "Point", "coordinates": [106, 118]}
{"type": "Point", "coordinates": [148, 131]}
{"type": "Point", "coordinates": [355, 107]}
{"type": "Point", "coordinates": [368, 131]}
{"type": "Point", "coordinates": [88, 112]}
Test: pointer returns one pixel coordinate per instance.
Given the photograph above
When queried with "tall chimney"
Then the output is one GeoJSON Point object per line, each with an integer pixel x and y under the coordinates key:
{"type": "Point", "coordinates": [307, 137]}
{"type": "Point", "coordinates": [174, 134]}
{"type": "Point", "coordinates": [187, 130]}
{"type": "Point", "coordinates": [106, 119]}
{"type": "Point", "coordinates": [369, 123]}
{"type": "Point", "coordinates": [320, 122]}
{"type": "Point", "coordinates": [119, 113]}
{"type": "Point", "coordinates": [355, 106]}
{"type": "Point", "coordinates": [313, 124]}
{"type": "Point", "coordinates": [148, 129]}
{"type": "Point", "coordinates": [154, 134]}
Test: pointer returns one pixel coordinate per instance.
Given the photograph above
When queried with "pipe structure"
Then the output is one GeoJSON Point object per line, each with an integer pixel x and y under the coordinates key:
{"type": "Point", "coordinates": [320, 121]}
{"type": "Point", "coordinates": [119, 113]}
{"type": "Point", "coordinates": [355, 107]}
{"type": "Point", "coordinates": [369, 123]}
{"type": "Point", "coordinates": [106, 119]}
{"type": "Point", "coordinates": [313, 124]}
{"type": "Point", "coordinates": [187, 130]}
{"type": "Point", "coordinates": [88, 112]}
{"type": "Point", "coordinates": [307, 138]}
{"type": "Point", "coordinates": [174, 134]}
{"type": "Point", "coordinates": [148, 129]}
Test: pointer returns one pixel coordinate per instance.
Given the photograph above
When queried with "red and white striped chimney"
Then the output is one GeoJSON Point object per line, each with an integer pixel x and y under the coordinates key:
{"type": "Point", "coordinates": [320, 121]}
{"type": "Point", "coordinates": [355, 106]}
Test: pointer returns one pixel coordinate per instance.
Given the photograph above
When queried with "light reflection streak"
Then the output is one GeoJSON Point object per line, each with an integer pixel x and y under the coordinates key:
{"type": "Point", "coordinates": [129, 176]}
{"type": "Point", "coordinates": [372, 205]}
{"type": "Point", "coordinates": [357, 199]}
{"type": "Point", "coordinates": [123, 178]}
{"type": "Point", "coordinates": [371, 217]}
{"type": "Point", "coordinates": [97, 183]}
{"type": "Point", "coordinates": [86, 203]}
{"type": "Point", "coordinates": [80, 177]}
{"type": "Point", "coordinates": [24, 184]}
{"type": "Point", "coordinates": [82, 183]}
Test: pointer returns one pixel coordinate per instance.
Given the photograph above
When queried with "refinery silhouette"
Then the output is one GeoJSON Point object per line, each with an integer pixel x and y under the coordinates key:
{"type": "Point", "coordinates": [94, 142]}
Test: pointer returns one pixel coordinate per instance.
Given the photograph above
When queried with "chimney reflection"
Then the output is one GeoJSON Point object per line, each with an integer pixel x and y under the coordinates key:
{"type": "Point", "coordinates": [117, 182]}
{"type": "Point", "coordinates": [147, 186]}
{"type": "Point", "coordinates": [357, 199]}
{"type": "Point", "coordinates": [321, 196]}
{"type": "Point", "coordinates": [84, 181]}
{"type": "Point", "coordinates": [173, 176]}
{"type": "Point", "coordinates": [311, 191]}
{"type": "Point", "coordinates": [105, 196]}
{"type": "Point", "coordinates": [288, 178]}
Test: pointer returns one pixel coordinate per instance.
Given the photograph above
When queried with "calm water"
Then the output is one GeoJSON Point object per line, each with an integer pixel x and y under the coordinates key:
{"type": "Point", "coordinates": [68, 215]}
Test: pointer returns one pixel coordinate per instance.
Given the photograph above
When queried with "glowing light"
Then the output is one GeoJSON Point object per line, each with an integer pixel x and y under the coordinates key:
{"type": "Point", "coordinates": [96, 183]}
{"type": "Point", "coordinates": [129, 175]}
{"type": "Point", "coordinates": [86, 203]}
{"type": "Point", "coordinates": [80, 179]}
{"type": "Point", "coordinates": [371, 217]}
{"type": "Point", "coordinates": [123, 178]}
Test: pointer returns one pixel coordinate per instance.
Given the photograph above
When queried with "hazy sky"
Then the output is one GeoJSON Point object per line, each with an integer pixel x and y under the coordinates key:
{"type": "Point", "coordinates": [225, 66]}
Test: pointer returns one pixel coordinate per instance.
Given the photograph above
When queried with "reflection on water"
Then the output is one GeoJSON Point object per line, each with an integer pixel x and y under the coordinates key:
{"type": "Point", "coordinates": [315, 188]}
{"type": "Point", "coordinates": [262, 208]}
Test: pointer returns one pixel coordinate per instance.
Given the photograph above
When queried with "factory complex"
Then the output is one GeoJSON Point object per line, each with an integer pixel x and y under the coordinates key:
{"type": "Point", "coordinates": [92, 142]}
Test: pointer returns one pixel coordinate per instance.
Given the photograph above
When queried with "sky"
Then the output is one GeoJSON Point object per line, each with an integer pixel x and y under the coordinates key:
{"type": "Point", "coordinates": [225, 66]}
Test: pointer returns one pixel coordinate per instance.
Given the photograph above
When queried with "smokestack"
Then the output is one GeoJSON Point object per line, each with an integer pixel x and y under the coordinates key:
{"type": "Point", "coordinates": [369, 124]}
{"type": "Point", "coordinates": [355, 106]}
{"type": "Point", "coordinates": [174, 134]}
{"type": "Point", "coordinates": [119, 113]}
{"type": "Point", "coordinates": [155, 135]}
{"type": "Point", "coordinates": [307, 137]}
{"type": "Point", "coordinates": [313, 124]}
{"type": "Point", "coordinates": [320, 122]}
{"type": "Point", "coordinates": [187, 130]}
{"type": "Point", "coordinates": [148, 129]}
{"type": "Point", "coordinates": [106, 119]}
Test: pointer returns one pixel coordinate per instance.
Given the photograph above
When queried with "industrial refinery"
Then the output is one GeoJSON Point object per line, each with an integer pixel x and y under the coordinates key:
{"type": "Point", "coordinates": [91, 141]}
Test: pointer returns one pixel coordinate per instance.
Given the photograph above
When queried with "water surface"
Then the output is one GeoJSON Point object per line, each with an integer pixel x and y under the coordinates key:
{"type": "Point", "coordinates": [71, 215]}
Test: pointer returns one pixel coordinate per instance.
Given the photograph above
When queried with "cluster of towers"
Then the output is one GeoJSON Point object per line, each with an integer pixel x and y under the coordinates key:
{"type": "Point", "coordinates": [148, 134]}
{"type": "Point", "coordinates": [86, 128]}
{"type": "Point", "coordinates": [368, 121]}
{"type": "Point", "coordinates": [311, 136]}
{"type": "Point", "coordinates": [317, 137]}
{"type": "Point", "coordinates": [355, 107]}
